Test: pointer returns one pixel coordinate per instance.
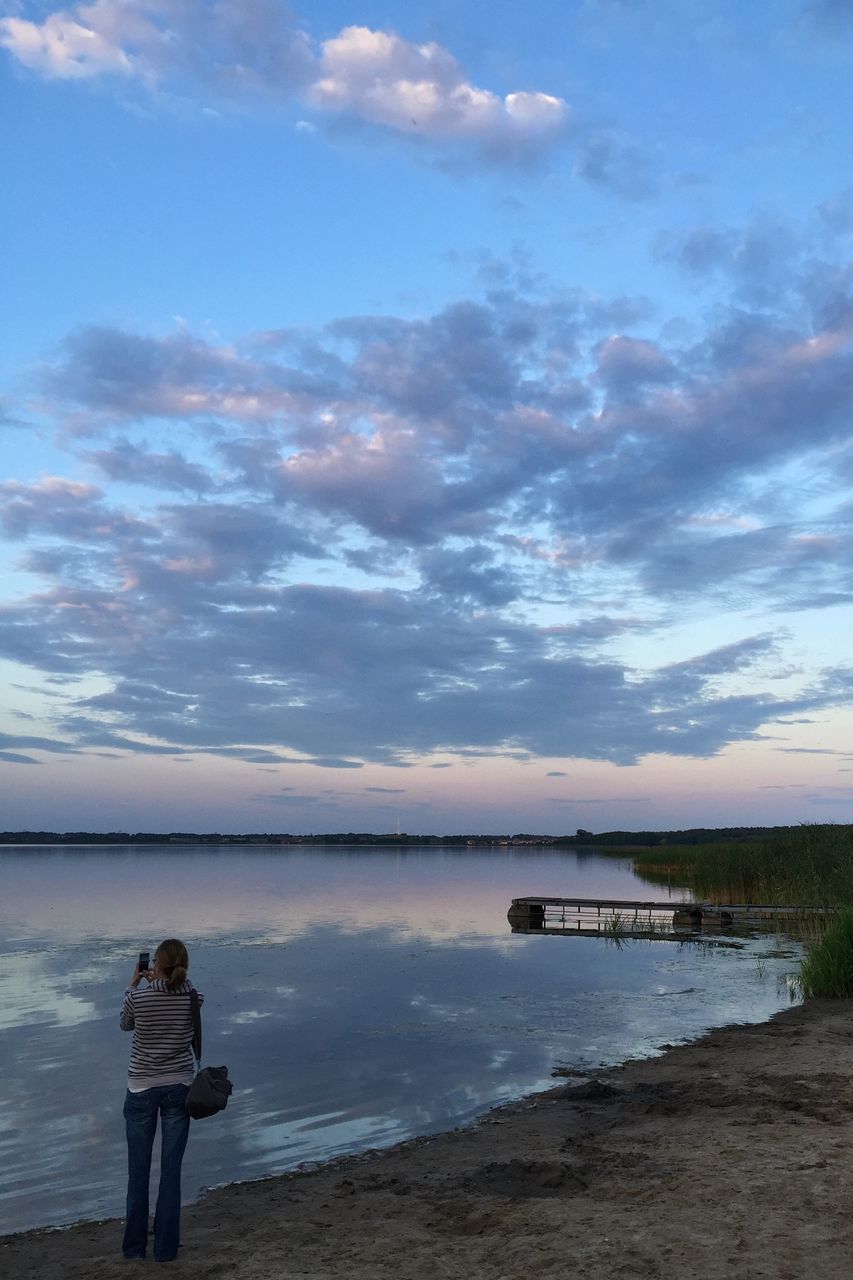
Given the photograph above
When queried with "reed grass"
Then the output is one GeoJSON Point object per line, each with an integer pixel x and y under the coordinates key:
{"type": "Point", "coordinates": [616, 926]}
{"type": "Point", "coordinates": [807, 866]}
{"type": "Point", "coordinates": [827, 969]}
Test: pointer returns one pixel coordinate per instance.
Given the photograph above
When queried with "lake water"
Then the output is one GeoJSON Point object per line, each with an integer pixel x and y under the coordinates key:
{"type": "Point", "coordinates": [358, 996]}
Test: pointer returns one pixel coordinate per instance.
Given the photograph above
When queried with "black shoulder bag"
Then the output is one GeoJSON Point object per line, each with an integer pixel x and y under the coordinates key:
{"type": "Point", "coordinates": [211, 1088]}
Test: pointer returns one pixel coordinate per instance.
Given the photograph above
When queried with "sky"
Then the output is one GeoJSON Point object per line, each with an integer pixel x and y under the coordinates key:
{"type": "Point", "coordinates": [433, 416]}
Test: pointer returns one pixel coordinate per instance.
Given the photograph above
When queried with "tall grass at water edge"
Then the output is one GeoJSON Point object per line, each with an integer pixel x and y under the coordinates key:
{"type": "Point", "coordinates": [805, 866]}
{"type": "Point", "coordinates": [827, 969]}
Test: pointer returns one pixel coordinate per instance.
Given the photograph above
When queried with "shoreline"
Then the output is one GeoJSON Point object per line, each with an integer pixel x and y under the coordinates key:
{"type": "Point", "coordinates": [728, 1156]}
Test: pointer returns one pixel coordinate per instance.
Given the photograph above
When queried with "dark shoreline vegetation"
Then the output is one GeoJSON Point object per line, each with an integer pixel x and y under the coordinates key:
{"type": "Point", "coordinates": [806, 866]}
{"type": "Point", "coordinates": [604, 839]}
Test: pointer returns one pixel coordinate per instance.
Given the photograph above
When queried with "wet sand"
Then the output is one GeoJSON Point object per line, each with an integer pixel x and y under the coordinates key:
{"type": "Point", "coordinates": [729, 1157]}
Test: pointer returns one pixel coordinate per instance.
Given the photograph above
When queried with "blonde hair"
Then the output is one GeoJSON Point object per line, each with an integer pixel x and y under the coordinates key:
{"type": "Point", "coordinates": [173, 961]}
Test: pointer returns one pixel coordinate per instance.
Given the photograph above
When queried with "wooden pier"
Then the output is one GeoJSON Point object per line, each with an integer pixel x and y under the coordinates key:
{"type": "Point", "coordinates": [666, 921]}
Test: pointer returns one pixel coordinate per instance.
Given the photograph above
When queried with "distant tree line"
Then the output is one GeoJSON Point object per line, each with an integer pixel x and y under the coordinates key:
{"type": "Point", "coordinates": [606, 839]}
{"type": "Point", "coordinates": [651, 839]}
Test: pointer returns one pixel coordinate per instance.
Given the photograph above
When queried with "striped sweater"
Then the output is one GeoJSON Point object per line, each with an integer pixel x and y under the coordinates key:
{"type": "Point", "coordinates": [161, 1021]}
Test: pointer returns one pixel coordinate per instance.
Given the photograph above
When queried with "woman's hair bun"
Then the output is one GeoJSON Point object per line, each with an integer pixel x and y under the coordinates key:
{"type": "Point", "coordinates": [171, 956]}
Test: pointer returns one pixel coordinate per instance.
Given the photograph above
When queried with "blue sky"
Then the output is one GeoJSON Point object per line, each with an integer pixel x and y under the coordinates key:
{"type": "Point", "coordinates": [435, 414]}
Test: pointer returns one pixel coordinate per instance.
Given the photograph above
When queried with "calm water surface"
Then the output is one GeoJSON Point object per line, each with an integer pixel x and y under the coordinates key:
{"type": "Point", "coordinates": [357, 996]}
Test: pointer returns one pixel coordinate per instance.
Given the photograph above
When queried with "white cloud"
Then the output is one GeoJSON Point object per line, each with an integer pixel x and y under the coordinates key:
{"type": "Point", "coordinates": [62, 48]}
{"type": "Point", "coordinates": [250, 46]}
{"type": "Point", "coordinates": [422, 90]}
{"type": "Point", "coordinates": [378, 78]}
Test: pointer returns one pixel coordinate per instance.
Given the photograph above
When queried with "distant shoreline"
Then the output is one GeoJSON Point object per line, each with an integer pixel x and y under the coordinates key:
{"type": "Point", "coordinates": [617, 841]}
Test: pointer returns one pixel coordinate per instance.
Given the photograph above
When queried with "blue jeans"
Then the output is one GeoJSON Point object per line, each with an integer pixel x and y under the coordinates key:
{"type": "Point", "coordinates": [140, 1113]}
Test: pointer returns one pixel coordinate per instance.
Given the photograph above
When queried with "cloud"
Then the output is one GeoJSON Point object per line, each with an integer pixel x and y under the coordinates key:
{"type": "Point", "coordinates": [427, 444]}
{"type": "Point", "coordinates": [388, 675]}
{"type": "Point", "coordinates": [390, 538]}
{"type": "Point", "coordinates": [726, 658]}
{"type": "Point", "coordinates": [421, 91]}
{"type": "Point", "coordinates": [627, 365]}
{"type": "Point", "coordinates": [8, 418]}
{"type": "Point", "coordinates": [65, 509]}
{"type": "Point", "coordinates": [238, 47]}
{"type": "Point", "coordinates": [470, 573]}
{"type": "Point", "coordinates": [764, 258]}
{"type": "Point", "coordinates": [116, 373]}
{"type": "Point", "coordinates": [241, 51]}
{"type": "Point", "coordinates": [836, 213]}
{"type": "Point", "coordinates": [63, 48]}
{"type": "Point", "coordinates": [335, 762]}
{"type": "Point", "coordinates": [599, 800]}
{"type": "Point", "coordinates": [829, 18]}
{"type": "Point", "coordinates": [607, 157]}
{"type": "Point", "coordinates": [276, 797]}
{"type": "Point", "coordinates": [53, 745]}
{"type": "Point", "coordinates": [198, 542]}
{"type": "Point", "coordinates": [215, 539]}
{"type": "Point", "coordinates": [133, 464]}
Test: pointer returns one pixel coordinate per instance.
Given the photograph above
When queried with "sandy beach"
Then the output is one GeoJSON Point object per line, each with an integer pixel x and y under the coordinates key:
{"type": "Point", "coordinates": [728, 1157]}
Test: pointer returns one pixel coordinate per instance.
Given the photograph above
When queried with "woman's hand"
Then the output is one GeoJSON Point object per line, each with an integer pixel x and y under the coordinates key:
{"type": "Point", "coordinates": [138, 974]}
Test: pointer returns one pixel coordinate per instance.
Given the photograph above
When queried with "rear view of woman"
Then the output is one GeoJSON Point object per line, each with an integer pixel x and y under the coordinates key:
{"type": "Point", "coordinates": [161, 1071]}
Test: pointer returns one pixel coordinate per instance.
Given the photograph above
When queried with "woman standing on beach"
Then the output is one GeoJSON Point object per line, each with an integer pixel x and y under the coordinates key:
{"type": "Point", "coordinates": [161, 1071]}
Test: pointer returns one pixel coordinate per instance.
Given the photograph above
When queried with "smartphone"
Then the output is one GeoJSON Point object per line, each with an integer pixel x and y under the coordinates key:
{"type": "Point", "coordinates": [143, 961]}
